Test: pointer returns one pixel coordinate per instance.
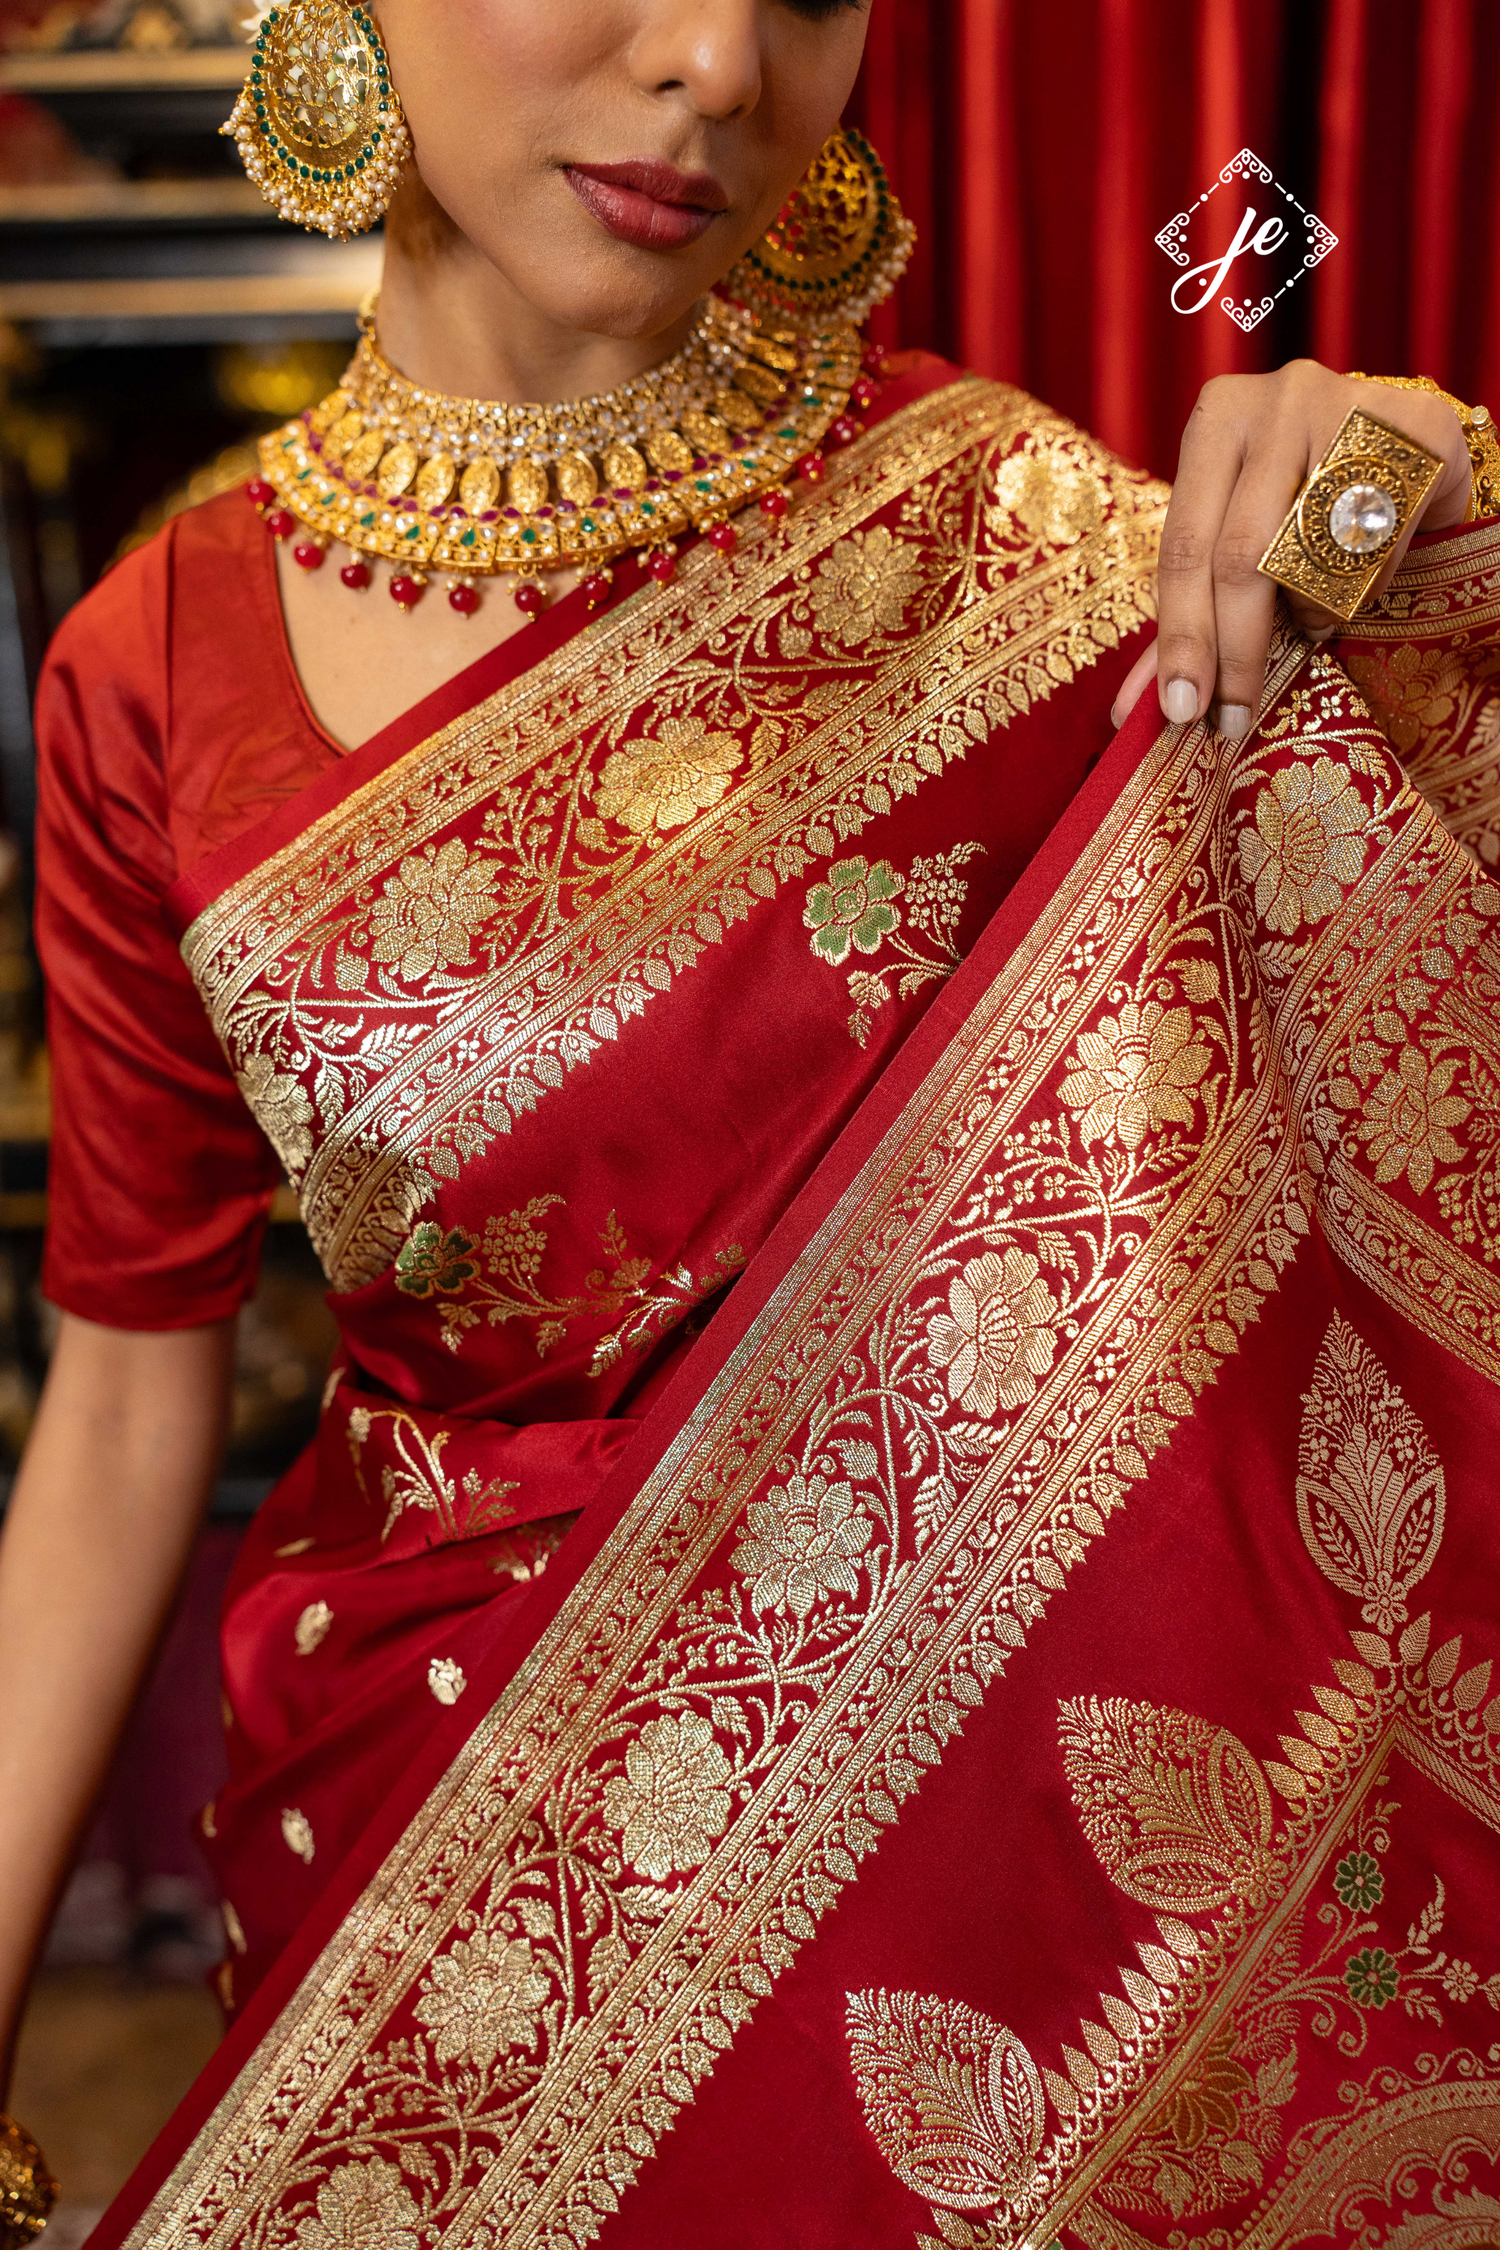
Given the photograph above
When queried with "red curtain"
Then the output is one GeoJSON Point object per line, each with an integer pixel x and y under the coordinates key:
{"type": "Point", "coordinates": [1040, 144]}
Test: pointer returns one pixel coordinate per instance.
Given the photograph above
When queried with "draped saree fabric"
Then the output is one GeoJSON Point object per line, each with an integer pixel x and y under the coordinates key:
{"type": "Point", "coordinates": [1007, 1754]}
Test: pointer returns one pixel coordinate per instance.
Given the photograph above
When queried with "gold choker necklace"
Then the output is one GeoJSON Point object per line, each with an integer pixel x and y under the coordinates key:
{"type": "Point", "coordinates": [474, 489]}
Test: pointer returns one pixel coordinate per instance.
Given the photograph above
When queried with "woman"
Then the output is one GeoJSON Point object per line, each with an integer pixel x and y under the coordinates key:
{"type": "Point", "coordinates": [1118, 1193]}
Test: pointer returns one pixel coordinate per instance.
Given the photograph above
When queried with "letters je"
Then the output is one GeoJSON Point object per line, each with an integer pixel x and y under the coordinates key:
{"type": "Point", "coordinates": [1268, 236]}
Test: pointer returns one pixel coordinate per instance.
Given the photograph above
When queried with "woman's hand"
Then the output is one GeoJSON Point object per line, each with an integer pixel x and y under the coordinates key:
{"type": "Point", "coordinates": [1247, 449]}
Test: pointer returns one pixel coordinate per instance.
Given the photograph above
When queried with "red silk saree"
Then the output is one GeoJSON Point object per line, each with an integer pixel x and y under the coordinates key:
{"type": "Point", "coordinates": [1005, 1752]}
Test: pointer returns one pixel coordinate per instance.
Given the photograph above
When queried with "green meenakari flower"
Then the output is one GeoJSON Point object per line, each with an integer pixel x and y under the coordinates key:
{"type": "Point", "coordinates": [1359, 1882]}
{"type": "Point", "coordinates": [852, 908]}
{"type": "Point", "coordinates": [432, 1262]}
{"type": "Point", "coordinates": [1372, 1977]}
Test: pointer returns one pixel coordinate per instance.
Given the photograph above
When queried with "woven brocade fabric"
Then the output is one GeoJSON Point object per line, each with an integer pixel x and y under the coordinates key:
{"type": "Point", "coordinates": [1006, 1752]}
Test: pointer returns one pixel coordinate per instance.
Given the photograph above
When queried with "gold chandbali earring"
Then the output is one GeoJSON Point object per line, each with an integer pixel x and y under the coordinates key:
{"type": "Point", "coordinates": [475, 489]}
{"type": "Point", "coordinates": [318, 123]}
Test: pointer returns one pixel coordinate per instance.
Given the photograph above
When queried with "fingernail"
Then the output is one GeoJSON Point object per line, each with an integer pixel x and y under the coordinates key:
{"type": "Point", "coordinates": [1181, 701]}
{"type": "Point", "coordinates": [1116, 716]}
{"type": "Point", "coordinates": [1321, 632]}
{"type": "Point", "coordinates": [1234, 720]}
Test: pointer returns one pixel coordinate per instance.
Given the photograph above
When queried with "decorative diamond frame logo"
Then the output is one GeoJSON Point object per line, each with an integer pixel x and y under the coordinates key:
{"type": "Point", "coordinates": [1257, 235]}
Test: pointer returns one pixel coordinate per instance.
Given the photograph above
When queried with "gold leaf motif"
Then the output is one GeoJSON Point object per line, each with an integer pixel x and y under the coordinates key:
{"type": "Point", "coordinates": [624, 469]}
{"type": "Point", "coordinates": [577, 479]}
{"type": "Point", "coordinates": [740, 412]}
{"type": "Point", "coordinates": [363, 455]}
{"type": "Point", "coordinates": [759, 382]}
{"type": "Point", "coordinates": [342, 435]}
{"type": "Point", "coordinates": [1370, 1489]}
{"type": "Point", "coordinates": [952, 2097]}
{"type": "Point", "coordinates": [668, 451]}
{"type": "Point", "coordinates": [479, 486]}
{"type": "Point", "coordinates": [397, 470]}
{"type": "Point", "coordinates": [706, 431]}
{"type": "Point", "coordinates": [528, 486]}
{"type": "Point", "coordinates": [1176, 1810]}
{"type": "Point", "coordinates": [330, 410]}
{"type": "Point", "coordinates": [435, 480]}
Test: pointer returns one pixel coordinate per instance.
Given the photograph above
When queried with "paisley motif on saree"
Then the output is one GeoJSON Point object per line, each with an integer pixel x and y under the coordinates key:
{"type": "Point", "coordinates": [1128, 1370]}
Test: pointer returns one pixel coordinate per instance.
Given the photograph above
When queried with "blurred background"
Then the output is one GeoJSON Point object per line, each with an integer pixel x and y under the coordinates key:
{"type": "Point", "coordinates": [154, 320]}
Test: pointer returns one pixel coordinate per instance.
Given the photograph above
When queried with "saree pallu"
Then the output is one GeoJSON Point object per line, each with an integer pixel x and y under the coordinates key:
{"type": "Point", "coordinates": [1008, 1753]}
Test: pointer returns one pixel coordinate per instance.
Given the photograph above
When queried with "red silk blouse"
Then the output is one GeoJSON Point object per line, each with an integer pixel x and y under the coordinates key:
{"type": "Point", "coordinates": [169, 720]}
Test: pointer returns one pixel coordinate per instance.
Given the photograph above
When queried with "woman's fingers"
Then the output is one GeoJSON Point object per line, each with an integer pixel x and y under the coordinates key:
{"type": "Point", "coordinates": [1142, 672]}
{"type": "Point", "coordinates": [1208, 470]}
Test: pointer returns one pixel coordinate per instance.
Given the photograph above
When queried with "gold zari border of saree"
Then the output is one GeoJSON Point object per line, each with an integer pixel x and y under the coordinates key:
{"type": "Point", "coordinates": [648, 1827]}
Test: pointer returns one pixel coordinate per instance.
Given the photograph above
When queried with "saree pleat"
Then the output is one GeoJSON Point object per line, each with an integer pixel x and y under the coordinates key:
{"type": "Point", "coordinates": [1008, 1753]}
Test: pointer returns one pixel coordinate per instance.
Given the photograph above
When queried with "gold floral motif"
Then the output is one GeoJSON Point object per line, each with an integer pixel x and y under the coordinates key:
{"type": "Point", "coordinates": [296, 1830]}
{"type": "Point", "coordinates": [1406, 1118]}
{"type": "Point", "coordinates": [363, 2207]}
{"type": "Point", "coordinates": [1054, 503]}
{"type": "Point", "coordinates": [863, 589]}
{"type": "Point", "coordinates": [432, 909]}
{"type": "Point", "coordinates": [803, 1541]}
{"type": "Point", "coordinates": [311, 1628]}
{"type": "Point", "coordinates": [413, 1476]}
{"type": "Point", "coordinates": [1370, 1490]}
{"type": "Point", "coordinates": [666, 783]}
{"type": "Point", "coordinates": [281, 1110]}
{"type": "Point", "coordinates": [1135, 1073]}
{"type": "Point", "coordinates": [854, 906]}
{"type": "Point", "coordinates": [1307, 845]}
{"type": "Point", "coordinates": [446, 1679]}
{"type": "Point", "coordinates": [497, 1278]}
{"type": "Point", "coordinates": [483, 1998]}
{"type": "Point", "coordinates": [672, 1802]}
{"type": "Point", "coordinates": [998, 1337]}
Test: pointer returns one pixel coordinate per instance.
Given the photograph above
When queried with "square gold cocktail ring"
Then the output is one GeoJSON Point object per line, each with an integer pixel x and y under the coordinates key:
{"type": "Point", "coordinates": [1342, 525]}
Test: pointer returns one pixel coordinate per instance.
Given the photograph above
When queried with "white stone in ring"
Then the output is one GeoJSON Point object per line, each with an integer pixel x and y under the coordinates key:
{"type": "Point", "coordinates": [1362, 518]}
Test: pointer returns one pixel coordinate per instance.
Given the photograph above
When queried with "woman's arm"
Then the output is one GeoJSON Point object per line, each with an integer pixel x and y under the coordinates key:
{"type": "Point", "coordinates": [127, 1444]}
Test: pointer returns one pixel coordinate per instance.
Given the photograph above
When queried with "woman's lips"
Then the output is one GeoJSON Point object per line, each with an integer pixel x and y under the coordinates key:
{"type": "Point", "coordinates": [650, 204]}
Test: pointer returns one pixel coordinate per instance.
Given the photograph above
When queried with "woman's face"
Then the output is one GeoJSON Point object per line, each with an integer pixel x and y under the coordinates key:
{"type": "Point", "coordinates": [612, 158]}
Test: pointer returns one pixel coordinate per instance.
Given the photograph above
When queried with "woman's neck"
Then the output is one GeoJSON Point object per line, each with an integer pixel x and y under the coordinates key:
{"type": "Point", "coordinates": [452, 323]}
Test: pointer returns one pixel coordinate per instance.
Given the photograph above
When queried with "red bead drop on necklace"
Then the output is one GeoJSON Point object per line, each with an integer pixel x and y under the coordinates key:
{"type": "Point", "coordinates": [356, 575]}
{"type": "Point", "coordinates": [863, 392]}
{"type": "Point", "coordinates": [845, 430]}
{"type": "Point", "coordinates": [529, 600]}
{"type": "Point", "coordinates": [596, 587]}
{"type": "Point", "coordinates": [464, 598]}
{"type": "Point", "coordinates": [406, 591]}
{"type": "Point", "coordinates": [773, 504]}
{"type": "Point", "coordinates": [874, 357]}
{"type": "Point", "coordinates": [724, 537]}
{"type": "Point", "coordinates": [309, 554]}
{"type": "Point", "coordinates": [260, 492]}
{"type": "Point", "coordinates": [281, 523]}
{"type": "Point", "coordinates": [663, 567]}
{"type": "Point", "coordinates": [810, 468]}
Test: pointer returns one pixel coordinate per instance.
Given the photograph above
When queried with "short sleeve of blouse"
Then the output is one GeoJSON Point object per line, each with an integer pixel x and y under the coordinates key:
{"type": "Point", "coordinates": [160, 1180]}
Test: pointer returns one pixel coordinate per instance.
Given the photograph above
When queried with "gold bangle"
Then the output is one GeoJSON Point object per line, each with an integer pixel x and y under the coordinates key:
{"type": "Point", "coordinates": [27, 2189]}
{"type": "Point", "coordinates": [1480, 436]}
{"type": "Point", "coordinates": [1333, 541]}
